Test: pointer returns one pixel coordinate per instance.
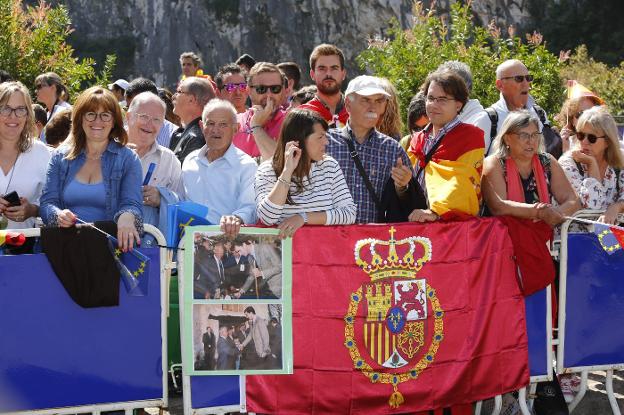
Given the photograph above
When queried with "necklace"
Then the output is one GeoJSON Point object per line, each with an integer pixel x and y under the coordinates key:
{"type": "Point", "coordinates": [94, 158]}
{"type": "Point", "coordinates": [4, 222]}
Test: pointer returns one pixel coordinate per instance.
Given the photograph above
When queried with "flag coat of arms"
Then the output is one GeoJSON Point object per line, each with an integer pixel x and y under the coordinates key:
{"type": "Point", "coordinates": [400, 318]}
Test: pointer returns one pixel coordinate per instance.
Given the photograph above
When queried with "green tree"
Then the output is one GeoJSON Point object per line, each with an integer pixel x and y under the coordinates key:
{"type": "Point", "coordinates": [606, 82]}
{"type": "Point", "coordinates": [33, 41]}
{"type": "Point", "coordinates": [409, 55]}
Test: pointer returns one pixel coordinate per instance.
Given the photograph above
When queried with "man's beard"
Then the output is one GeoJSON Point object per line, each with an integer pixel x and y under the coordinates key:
{"type": "Point", "coordinates": [329, 90]}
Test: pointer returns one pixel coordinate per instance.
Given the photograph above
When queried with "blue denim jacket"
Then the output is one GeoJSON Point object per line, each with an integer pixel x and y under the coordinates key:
{"type": "Point", "coordinates": [122, 176]}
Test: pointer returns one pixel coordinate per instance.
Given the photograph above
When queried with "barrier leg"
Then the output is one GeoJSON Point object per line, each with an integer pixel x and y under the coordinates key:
{"type": "Point", "coordinates": [532, 390]}
{"type": "Point", "coordinates": [609, 384]}
{"type": "Point", "coordinates": [478, 408]}
{"type": "Point", "coordinates": [498, 404]}
{"type": "Point", "coordinates": [581, 394]}
{"type": "Point", "coordinates": [522, 400]}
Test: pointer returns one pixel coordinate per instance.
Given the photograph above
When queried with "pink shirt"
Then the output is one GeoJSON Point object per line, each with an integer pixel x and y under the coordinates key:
{"type": "Point", "coordinates": [244, 139]}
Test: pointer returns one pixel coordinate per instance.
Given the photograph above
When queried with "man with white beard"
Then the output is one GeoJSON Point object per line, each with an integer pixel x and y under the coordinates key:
{"type": "Point", "coordinates": [381, 156]}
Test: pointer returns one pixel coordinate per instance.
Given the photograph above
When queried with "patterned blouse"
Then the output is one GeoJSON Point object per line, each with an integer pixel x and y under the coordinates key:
{"type": "Point", "coordinates": [594, 194]}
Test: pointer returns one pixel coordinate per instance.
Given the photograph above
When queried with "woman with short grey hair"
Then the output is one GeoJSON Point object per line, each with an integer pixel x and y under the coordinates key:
{"type": "Point", "coordinates": [521, 180]}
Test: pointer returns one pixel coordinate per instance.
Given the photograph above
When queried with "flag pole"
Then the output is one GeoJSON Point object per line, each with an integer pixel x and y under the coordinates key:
{"type": "Point", "coordinates": [593, 222]}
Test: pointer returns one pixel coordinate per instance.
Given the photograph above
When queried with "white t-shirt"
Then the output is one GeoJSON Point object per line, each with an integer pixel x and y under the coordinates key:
{"type": "Point", "coordinates": [28, 176]}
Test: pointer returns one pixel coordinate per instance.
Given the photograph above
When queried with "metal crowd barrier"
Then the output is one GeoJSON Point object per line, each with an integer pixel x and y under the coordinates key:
{"type": "Point", "coordinates": [19, 374]}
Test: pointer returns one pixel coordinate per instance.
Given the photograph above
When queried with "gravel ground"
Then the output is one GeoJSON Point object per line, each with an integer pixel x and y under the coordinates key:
{"type": "Point", "coordinates": [595, 401]}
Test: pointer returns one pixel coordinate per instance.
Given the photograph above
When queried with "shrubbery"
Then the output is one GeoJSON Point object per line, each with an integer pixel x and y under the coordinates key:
{"type": "Point", "coordinates": [32, 41]}
{"type": "Point", "coordinates": [410, 55]}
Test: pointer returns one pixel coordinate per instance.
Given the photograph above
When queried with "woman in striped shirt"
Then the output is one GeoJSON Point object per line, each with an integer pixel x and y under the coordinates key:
{"type": "Point", "coordinates": [301, 184]}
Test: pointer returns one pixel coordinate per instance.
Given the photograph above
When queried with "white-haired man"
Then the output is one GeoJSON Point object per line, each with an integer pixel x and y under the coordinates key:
{"type": "Point", "coordinates": [381, 156]}
{"type": "Point", "coordinates": [163, 182]}
{"type": "Point", "coordinates": [219, 175]}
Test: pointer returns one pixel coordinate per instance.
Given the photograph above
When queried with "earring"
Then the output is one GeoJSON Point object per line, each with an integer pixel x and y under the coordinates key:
{"type": "Point", "coordinates": [507, 146]}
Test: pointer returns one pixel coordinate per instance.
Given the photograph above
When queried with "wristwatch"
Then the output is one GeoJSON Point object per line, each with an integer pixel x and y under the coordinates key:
{"type": "Point", "coordinates": [304, 216]}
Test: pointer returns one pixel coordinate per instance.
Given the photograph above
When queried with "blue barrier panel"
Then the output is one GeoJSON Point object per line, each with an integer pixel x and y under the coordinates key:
{"type": "Point", "coordinates": [594, 309]}
{"type": "Point", "coordinates": [537, 331]}
{"type": "Point", "coordinates": [209, 391]}
{"type": "Point", "coordinates": [53, 353]}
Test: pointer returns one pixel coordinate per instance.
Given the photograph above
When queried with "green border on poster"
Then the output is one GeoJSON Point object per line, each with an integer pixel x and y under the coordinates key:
{"type": "Point", "coordinates": [188, 357]}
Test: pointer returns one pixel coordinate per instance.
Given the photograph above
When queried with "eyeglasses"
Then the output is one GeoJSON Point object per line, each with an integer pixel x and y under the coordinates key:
{"type": "Point", "coordinates": [592, 138]}
{"type": "Point", "coordinates": [20, 112]}
{"type": "Point", "coordinates": [146, 118]}
{"type": "Point", "coordinates": [526, 136]}
{"type": "Point", "coordinates": [39, 86]}
{"type": "Point", "coordinates": [440, 100]}
{"type": "Point", "coordinates": [520, 78]}
{"type": "Point", "coordinates": [231, 87]}
{"type": "Point", "coordinates": [218, 125]}
{"type": "Point", "coordinates": [104, 116]}
{"type": "Point", "coordinates": [262, 89]}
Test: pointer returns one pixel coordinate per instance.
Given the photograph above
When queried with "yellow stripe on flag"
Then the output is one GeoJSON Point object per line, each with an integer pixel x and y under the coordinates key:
{"type": "Point", "coordinates": [379, 339]}
{"type": "Point", "coordinates": [387, 351]}
{"type": "Point", "coordinates": [372, 346]}
{"type": "Point", "coordinates": [366, 335]}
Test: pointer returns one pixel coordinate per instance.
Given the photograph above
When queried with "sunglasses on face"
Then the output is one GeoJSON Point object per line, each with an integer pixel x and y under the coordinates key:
{"type": "Point", "coordinates": [262, 89]}
{"type": "Point", "coordinates": [520, 78]}
{"type": "Point", "coordinates": [231, 87]}
{"type": "Point", "coordinates": [590, 137]}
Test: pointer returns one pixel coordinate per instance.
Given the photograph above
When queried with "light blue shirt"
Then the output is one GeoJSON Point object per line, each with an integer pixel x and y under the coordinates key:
{"type": "Point", "coordinates": [86, 200]}
{"type": "Point", "coordinates": [225, 186]}
{"type": "Point", "coordinates": [166, 131]}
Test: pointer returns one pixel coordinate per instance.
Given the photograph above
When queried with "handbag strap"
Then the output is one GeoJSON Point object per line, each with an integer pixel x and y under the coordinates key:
{"type": "Point", "coordinates": [358, 164]}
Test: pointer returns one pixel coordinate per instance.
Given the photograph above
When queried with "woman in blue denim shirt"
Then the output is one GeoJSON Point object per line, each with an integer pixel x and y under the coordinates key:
{"type": "Point", "coordinates": [93, 176]}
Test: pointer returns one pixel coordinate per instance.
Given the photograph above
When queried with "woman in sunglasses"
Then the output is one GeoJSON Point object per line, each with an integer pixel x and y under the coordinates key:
{"type": "Point", "coordinates": [23, 159]}
{"type": "Point", "coordinates": [568, 117]}
{"type": "Point", "coordinates": [520, 179]}
{"type": "Point", "coordinates": [52, 93]}
{"type": "Point", "coordinates": [595, 165]}
{"type": "Point", "coordinates": [301, 184]}
{"type": "Point", "coordinates": [93, 176]}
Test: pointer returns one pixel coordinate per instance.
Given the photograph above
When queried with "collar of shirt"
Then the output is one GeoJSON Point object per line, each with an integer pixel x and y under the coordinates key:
{"type": "Point", "coordinates": [230, 156]}
{"type": "Point", "coordinates": [155, 148]}
{"type": "Point", "coordinates": [349, 133]}
{"type": "Point", "coordinates": [339, 106]}
{"type": "Point", "coordinates": [432, 139]}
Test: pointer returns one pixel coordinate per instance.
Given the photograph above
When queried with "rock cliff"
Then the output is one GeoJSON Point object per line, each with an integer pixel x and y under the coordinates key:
{"type": "Point", "coordinates": [148, 35]}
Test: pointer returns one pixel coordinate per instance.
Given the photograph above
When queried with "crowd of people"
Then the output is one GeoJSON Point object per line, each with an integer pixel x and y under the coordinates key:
{"type": "Point", "coordinates": [252, 145]}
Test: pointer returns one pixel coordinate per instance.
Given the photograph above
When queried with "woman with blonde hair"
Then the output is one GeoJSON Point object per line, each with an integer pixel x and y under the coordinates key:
{"type": "Point", "coordinates": [390, 122]}
{"type": "Point", "coordinates": [595, 166]}
{"type": "Point", "coordinates": [93, 176]}
{"type": "Point", "coordinates": [23, 160]}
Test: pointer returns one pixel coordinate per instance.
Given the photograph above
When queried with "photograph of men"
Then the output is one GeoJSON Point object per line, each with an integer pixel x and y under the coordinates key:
{"type": "Point", "coordinates": [249, 266]}
{"type": "Point", "coordinates": [248, 337]}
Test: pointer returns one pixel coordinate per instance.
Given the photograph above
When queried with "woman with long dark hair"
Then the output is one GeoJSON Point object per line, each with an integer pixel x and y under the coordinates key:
{"type": "Point", "coordinates": [301, 184]}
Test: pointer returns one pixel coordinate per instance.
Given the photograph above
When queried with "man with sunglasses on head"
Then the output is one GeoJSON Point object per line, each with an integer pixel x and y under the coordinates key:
{"type": "Point", "coordinates": [328, 73]}
{"type": "Point", "coordinates": [260, 125]}
{"type": "Point", "coordinates": [191, 96]}
{"type": "Point", "coordinates": [514, 83]}
{"type": "Point", "coordinates": [232, 86]}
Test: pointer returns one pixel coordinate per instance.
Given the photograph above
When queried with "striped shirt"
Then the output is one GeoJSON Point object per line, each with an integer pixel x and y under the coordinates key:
{"type": "Point", "coordinates": [378, 153]}
{"type": "Point", "coordinates": [325, 191]}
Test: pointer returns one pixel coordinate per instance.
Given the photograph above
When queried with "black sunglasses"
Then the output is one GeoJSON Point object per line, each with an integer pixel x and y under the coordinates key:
{"type": "Point", "coordinates": [520, 78]}
{"type": "Point", "coordinates": [262, 89]}
{"type": "Point", "coordinates": [590, 137]}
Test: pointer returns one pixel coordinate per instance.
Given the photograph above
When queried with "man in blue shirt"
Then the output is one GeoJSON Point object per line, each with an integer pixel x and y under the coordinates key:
{"type": "Point", "coordinates": [219, 175]}
{"type": "Point", "coordinates": [381, 156]}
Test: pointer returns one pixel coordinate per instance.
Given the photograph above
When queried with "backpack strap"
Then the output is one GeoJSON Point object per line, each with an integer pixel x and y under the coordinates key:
{"type": "Point", "coordinates": [493, 115]}
{"type": "Point", "coordinates": [541, 114]}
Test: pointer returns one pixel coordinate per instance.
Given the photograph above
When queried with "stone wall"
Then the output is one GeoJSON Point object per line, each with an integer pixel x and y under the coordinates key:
{"type": "Point", "coordinates": [148, 35]}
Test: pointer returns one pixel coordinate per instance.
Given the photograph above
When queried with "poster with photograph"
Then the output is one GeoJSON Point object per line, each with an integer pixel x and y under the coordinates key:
{"type": "Point", "coordinates": [237, 299]}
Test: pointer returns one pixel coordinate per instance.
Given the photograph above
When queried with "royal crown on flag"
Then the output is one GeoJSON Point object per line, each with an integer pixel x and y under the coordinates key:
{"type": "Point", "coordinates": [398, 260]}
